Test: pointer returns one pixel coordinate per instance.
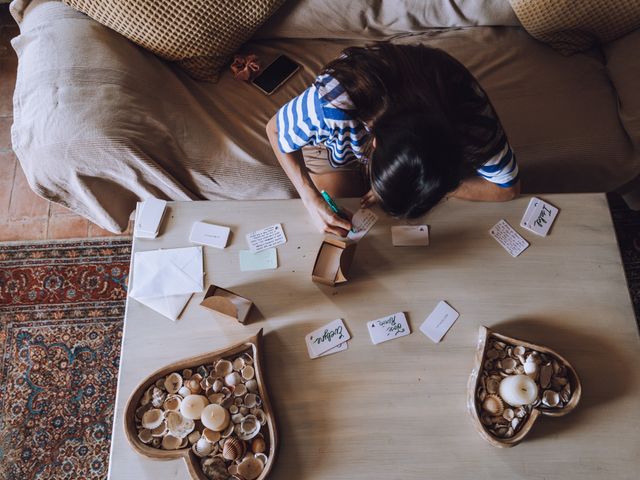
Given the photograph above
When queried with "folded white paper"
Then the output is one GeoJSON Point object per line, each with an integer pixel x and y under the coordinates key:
{"type": "Point", "coordinates": [164, 280]}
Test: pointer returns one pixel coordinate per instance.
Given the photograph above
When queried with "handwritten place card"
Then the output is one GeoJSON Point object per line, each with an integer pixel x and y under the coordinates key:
{"type": "Point", "coordinates": [510, 240]}
{"type": "Point", "coordinates": [327, 337]}
{"type": "Point", "coordinates": [388, 328]}
{"type": "Point", "coordinates": [361, 223]}
{"type": "Point", "coordinates": [268, 237]}
{"type": "Point", "coordinates": [340, 348]}
{"type": "Point", "coordinates": [539, 217]}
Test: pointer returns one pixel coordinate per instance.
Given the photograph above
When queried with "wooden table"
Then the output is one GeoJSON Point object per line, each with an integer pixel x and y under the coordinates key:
{"type": "Point", "coordinates": [397, 410]}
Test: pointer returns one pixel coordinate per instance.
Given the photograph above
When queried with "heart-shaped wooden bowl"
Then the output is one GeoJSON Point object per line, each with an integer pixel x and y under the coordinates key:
{"type": "Point", "coordinates": [253, 346]}
{"type": "Point", "coordinates": [478, 388]}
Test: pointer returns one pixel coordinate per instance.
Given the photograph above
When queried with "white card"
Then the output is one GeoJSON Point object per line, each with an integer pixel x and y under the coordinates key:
{"type": "Point", "coordinates": [388, 328]}
{"type": "Point", "coordinates": [327, 337]}
{"type": "Point", "coordinates": [208, 234]}
{"type": "Point", "coordinates": [439, 321]}
{"type": "Point", "coordinates": [150, 216]}
{"type": "Point", "coordinates": [510, 240]}
{"type": "Point", "coordinates": [410, 235]}
{"type": "Point", "coordinates": [361, 223]}
{"type": "Point", "coordinates": [339, 348]}
{"type": "Point", "coordinates": [268, 237]}
{"type": "Point", "coordinates": [264, 260]}
{"type": "Point", "coordinates": [539, 217]}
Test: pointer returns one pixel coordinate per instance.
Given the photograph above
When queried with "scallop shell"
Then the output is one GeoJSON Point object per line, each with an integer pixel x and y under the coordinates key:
{"type": "Point", "coordinates": [179, 426]}
{"type": "Point", "coordinates": [173, 383]}
{"type": "Point", "coordinates": [216, 398]}
{"type": "Point", "coordinates": [169, 442]}
{"type": "Point", "coordinates": [217, 385]}
{"type": "Point", "coordinates": [250, 468]}
{"type": "Point", "coordinates": [260, 415]}
{"type": "Point", "coordinates": [223, 368]}
{"type": "Point", "coordinates": [508, 364]}
{"type": "Point", "coordinates": [508, 414]}
{"type": "Point", "coordinates": [145, 435]}
{"type": "Point", "coordinates": [252, 385]}
{"type": "Point", "coordinates": [202, 447]}
{"type": "Point", "coordinates": [519, 352]}
{"type": "Point", "coordinates": [233, 448]}
{"type": "Point", "coordinates": [249, 427]}
{"type": "Point", "coordinates": [240, 390]}
{"type": "Point", "coordinates": [152, 418]}
{"type": "Point", "coordinates": [228, 431]}
{"type": "Point", "coordinates": [244, 410]}
{"type": "Point", "coordinates": [214, 468]}
{"type": "Point", "coordinates": [238, 364]}
{"type": "Point", "coordinates": [172, 403]}
{"type": "Point", "coordinates": [550, 398]}
{"type": "Point", "coordinates": [161, 430]}
{"type": "Point", "coordinates": [186, 373]}
{"type": "Point", "coordinates": [258, 445]}
{"type": "Point", "coordinates": [193, 384]}
{"type": "Point", "coordinates": [493, 405]}
{"type": "Point", "coordinates": [233, 409]}
{"type": "Point", "coordinates": [184, 392]}
{"type": "Point", "coordinates": [248, 372]}
{"type": "Point", "coordinates": [237, 418]}
{"type": "Point", "coordinates": [210, 435]}
{"type": "Point", "coordinates": [233, 379]}
{"type": "Point", "coordinates": [493, 384]}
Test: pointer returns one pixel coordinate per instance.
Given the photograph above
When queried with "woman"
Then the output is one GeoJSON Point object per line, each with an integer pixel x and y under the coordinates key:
{"type": "Point", "coordinates": [402, 125]}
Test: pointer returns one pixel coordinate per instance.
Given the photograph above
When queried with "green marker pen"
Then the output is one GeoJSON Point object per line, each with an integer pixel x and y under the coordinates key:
{"type": "Point", "coordinates": [332, 205]}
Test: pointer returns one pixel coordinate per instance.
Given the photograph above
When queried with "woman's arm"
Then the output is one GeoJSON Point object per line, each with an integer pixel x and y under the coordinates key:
{"type": "Point", "coordinates": [479, 189]}
{"type": "Point", "coordinates": [293, 165]}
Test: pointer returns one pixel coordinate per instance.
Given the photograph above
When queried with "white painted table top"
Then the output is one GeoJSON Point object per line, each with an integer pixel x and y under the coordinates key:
{"type": "Point", "coordinates": [398, 409]}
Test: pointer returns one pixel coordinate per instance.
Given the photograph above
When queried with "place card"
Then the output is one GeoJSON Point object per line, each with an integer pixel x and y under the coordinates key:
{"type": "Point", "coordinates": [263, 260]}
{"type": "Point", "coordinates": [439, 321]}
{"type": "Point", "coordinates": [209, 234]}
{"type": "Point", "coordinates": [539, 217]}
{"type": "Point", "coordinates": [267, 237]}
{"type": "Point", "coordinates": [388, 328]}
{"type": "Point", "coordinates": [327, 337]}
{"type": "Point", "coordinates": [510, 240]}
{"type": "Point", "coordinates": [361, 223]}
{"type": "Point", "coordinates": [410, 235]}
{"type": "Point", "coordinates": [339, 348]}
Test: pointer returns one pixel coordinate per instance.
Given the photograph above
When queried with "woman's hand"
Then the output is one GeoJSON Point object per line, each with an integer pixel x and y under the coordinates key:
{"type": "Point", "coordinates": [324, 219]}
{"type": "Point", "coordinates": [369, 199]}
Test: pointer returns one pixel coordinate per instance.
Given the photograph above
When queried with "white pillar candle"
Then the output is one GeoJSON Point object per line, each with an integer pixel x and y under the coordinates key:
{"type": "Point", "coordinates": [215, 417]}
{"type": "Point", "coordinates": [192, 405]}
{"type": "Point", "coordinates": [518, 390]}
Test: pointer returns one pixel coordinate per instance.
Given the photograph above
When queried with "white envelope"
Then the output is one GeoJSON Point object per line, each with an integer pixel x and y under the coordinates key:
{"type": "Point", "coordinates": [164, 280]}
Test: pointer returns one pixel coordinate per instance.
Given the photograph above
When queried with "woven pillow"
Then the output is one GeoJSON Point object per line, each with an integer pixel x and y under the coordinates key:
{"type": "Point", "coordinates": [199, 35]}
{"type": "Point", "coordinates": [571, 26]}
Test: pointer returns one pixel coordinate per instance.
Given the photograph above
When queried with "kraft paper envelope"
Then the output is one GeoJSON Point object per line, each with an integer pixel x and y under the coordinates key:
{"type": "Point", "coordinates": [164, 280]}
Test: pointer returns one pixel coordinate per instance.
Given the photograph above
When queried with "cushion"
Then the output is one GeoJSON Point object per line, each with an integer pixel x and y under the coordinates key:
{"type": "Point", "coordinates": [571, 26]}
{"type": "Point", "coordinates": [199, 35]}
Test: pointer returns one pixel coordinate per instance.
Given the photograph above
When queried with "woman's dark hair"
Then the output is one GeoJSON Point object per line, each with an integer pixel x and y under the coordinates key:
{"type": "Point", "coordinates": [433, 123]}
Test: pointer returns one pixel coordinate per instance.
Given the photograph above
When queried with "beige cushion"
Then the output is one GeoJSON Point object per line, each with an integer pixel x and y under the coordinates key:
{"type": "Point", "coordinates": [571, 26]}
{"type": "Point", "coordinates": [199, 35]}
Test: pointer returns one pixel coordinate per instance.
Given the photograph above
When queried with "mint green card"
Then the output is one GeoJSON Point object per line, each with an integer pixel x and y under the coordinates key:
{"type": "Point", "coordinates": [264, 260]}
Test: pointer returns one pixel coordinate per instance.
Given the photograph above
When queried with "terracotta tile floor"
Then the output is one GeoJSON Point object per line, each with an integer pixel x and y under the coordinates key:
{"type": "Point", "coordinates": [23, 214]}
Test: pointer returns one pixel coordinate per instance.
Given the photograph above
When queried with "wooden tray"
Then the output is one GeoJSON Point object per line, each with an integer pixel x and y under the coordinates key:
{"type": "Point", "coordinates": [484, 335]}
{"type": "Point", "coordinates": [252, 345]}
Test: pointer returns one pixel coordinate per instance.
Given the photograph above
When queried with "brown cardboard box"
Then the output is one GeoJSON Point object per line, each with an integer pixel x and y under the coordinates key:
{"type": "Point", "coordinates": [333, 261]}
{"type": "Point", "coordinates": [227, 303]}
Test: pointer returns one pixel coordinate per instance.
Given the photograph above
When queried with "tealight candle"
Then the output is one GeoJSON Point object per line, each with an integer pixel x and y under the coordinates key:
{"type": "Point", "coordinates": [192, 405]}
{"type": "Point", "coordinates": [518, 390]}
{"type": "Point", "coordinates": [215, 417]}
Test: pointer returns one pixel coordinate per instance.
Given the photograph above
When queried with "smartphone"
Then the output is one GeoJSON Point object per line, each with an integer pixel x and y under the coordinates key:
{"type": "Point", "coordinates": [276, 73]}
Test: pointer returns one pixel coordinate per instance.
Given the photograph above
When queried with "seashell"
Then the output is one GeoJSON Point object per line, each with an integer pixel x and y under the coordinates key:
{"type": "Point", "coordinates": [194, 436]}
{"type": "Point", "coordinates": [258, 445]}
{"type": "Point", "coordinates": [565, 393]}
{"type": "Point", "coordinates": [193, 384]}
{"type": "Point", "coordinates": [248, 359]}
{"type": "Point", "coordinates": [508, 414]}
{"type": "Point", "coordinates": [173, 383]}
{"type": "Point", "coordinates": [262, 457]}
{"type": "Point", "coordinates": [172, 403]}
{"type": "Point", "coordinates": [499, 345]}
{"type": "Point", "coordinates": [228, 401]}
{"type": "Point", "coordinates": [233, 379]}
{"type": "Point", "coordinates": [238, 364]}
{"type": "Point", "coordinates": [214, 468]}
{"type": "Point", "coordinates": [233, 409]}
{"type": "Point", "coordinates": [179, 425]}
{"type": "Point", "coordinates": [145, 436]}
{"type": "Point", "coordinates": [152, 418]}
{"type": "Point", "coordinates": [146, 397]}
{"type": "Point", "coordinates": [184, 392]}
{"type": "Point", "coordinates": [248, 372]}
{"type": "Point", "coordinates": [203, 384]}
{"type": "Point", "coordinates": [237, 418]}
{"type": "Point", "coordinates": [228, 431]}
{"type": "Point", "coordinates": [240, 390]}
{"type": "Point", "coordinates": [216, 398]}
{"type": "Point", "coordinates": [533, 357]}
{"type": "Point", "coordinates": [210, 435]}
{"type": "Point", "coordinates": [481, 394]}
{"type": "Point", "coordinates": [519, 352]}
{"type": "Point", "coordinates": [488, 365]}
{"type": "Point", "coordinates": [493, 404]}
{"type": "Point", "coordinates": [508, 364]}
{"type": "Point", "coordinates": [233, 448]}
{"type": "Point", "coordinates": [169, 442]}
{"type": "Point", "coordinates": [249, 427]}
{"type": "Point", "coordinates": [550, 398]}
{"type": "Point", "coordinates": [141, 410]}
{"type": "Point", "coordinates": [252, 385]}
{"type": "Point", "coordinates": [223, 368]}
{"type": "Point", "coordinates": [515, 422]}
{"type": "Point", "coordinates": [486, 420]}
{"type": "Point", "coordinates": [233, 470]}
{"type": "Point", "coordinates": [157, 397]}
{"type": "Point", "coordinates": [509, 433]}
{"type": "Point", "coordinates": [492, 354]}
{"type": "Point", "coordinates": [184, 443]}
{"type": "Point", "coordinates": [493, 384]}
{"type": "Point", "coordinates": [202, 448]}
{"type": "Point", "coordinates": [260, 415]}
{"type": "Point", "coordinates": [545, 375]}
{"type": "Point", "coordinates": [250, 468]}
{"type": "Point", "coordinates": [559, 382]}
{"type": "Point", "coordinates": [186, 373]}
{"type": "Point", "coordinates": [217, 385]}
{"type": "Point", "coordinates": [202, 371]}
{"type": "Point", "coordinates": [160, 384]}
{"type": "Point", "coordinates": [161, 430]}
{"type": "Point", "coordinates": [521, 412]}
{"type": "Point", "coordinates": [244, 411]}
{"type": "Point", "coordinates": [530, 367]}
{"type": "Point", "coordinates": [156, 442]}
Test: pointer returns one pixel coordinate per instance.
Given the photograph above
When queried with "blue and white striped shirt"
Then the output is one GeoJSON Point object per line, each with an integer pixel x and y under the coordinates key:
{"type": "Point", "coordinates": [320, 115]}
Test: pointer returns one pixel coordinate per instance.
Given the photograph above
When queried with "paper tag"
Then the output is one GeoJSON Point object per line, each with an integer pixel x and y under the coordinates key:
{"type": "Point", "coordinates": [361, 223]}
{"type": "Point", "coordinates": [510, 240]}
{"type": "Point", "coordinates": [388, 328]}
{"type": "Point", "coordinates": [209, 234]}
{"type": "Point", "coordinates": [268, 237]}
{"type": "Point", "coordinates": [327, 337]}
{"type": "Point", "coordinates": [263, 260]}
{"type": "Point", "coordinates": [539, 217]}
{"type": "Point", "coordinates": [410, 235]}
{"type": "Point", "coordinates": [339, 348]}
{"type": "Point", "coordinates": [439, 321]}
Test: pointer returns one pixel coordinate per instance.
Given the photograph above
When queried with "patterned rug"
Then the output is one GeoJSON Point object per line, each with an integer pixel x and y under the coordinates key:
{"type": "Point", "coordinates": [61, 312]}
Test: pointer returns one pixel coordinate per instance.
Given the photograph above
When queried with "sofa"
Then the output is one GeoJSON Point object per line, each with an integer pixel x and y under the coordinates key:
{"type": "Point", "coordinates": [100, 123]}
